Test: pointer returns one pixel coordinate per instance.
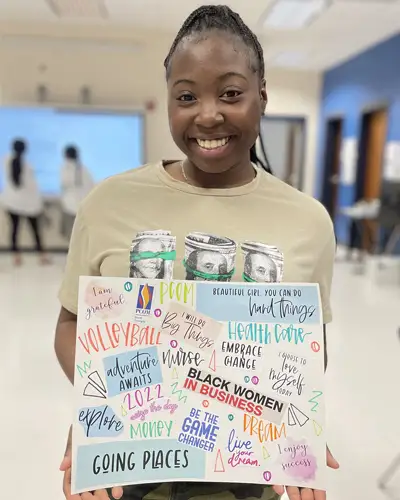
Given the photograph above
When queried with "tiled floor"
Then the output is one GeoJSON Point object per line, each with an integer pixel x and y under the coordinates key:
{"type": "Point", "coordinates": [362, 383]}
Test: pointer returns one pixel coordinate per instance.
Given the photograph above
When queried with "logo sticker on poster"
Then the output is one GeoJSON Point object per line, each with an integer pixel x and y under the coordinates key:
{"type": "Point", "coordinates": [144, 300]}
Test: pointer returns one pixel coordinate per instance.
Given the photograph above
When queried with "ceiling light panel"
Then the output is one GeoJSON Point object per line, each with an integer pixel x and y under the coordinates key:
{"type": "Point", "coordinates": [294, 14]}
{"type": "Point", "coordinates": [43, 42]}
{"type": "Point", "coordinates": [78, 9]}
{"type": "Point", "coordinates": [288, 60]}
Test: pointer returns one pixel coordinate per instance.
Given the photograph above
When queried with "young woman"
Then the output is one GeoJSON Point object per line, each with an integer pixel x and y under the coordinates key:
{"type": "Point", "coordinates": [213, 198]}
{"type": "Point", "coordinates": [76, 183]}
{"type": "Point", "coordinates": [21, 199]}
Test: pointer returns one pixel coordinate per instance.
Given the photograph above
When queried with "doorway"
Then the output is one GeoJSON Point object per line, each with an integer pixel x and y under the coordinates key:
{"type": "Point", "coordinates": [371, 154]}
{"type": "Point", "coordinates": [284, 142]}
{"type": "Point", "coordinates": [369, 169]}
{"type": "Point", "coordinates": [333, 146]}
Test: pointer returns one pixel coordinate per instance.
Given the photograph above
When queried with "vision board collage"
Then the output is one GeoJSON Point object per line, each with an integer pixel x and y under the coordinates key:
{"type": "Point", "coordinates": [198, 381]}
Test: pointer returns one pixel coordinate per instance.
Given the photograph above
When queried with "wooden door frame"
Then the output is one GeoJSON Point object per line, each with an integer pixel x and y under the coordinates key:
{"type": "Point", "coordinates": [369, 234]}
{"type": "Point", "coordinates": [365, 111]}
{"type": "Point", "coordinates": [304, 123]}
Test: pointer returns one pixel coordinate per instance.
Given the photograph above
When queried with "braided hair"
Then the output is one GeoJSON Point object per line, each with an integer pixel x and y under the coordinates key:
{"type": "Point", "coordinates": [220, 17]}
{"type": "Point", "coordinates": [19, 147]}
{"type": "Point", "coordinates": [71, 153]}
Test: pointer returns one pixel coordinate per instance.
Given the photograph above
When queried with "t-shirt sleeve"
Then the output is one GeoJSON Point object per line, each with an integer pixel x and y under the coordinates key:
{"type": "Point", "coordinates": [323, 274]}
{"type": "Point", "coordinates": [78, 264]}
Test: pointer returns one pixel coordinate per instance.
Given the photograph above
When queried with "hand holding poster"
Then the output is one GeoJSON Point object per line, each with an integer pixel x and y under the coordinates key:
{"type": "Point", "coordinates": [198, 381]}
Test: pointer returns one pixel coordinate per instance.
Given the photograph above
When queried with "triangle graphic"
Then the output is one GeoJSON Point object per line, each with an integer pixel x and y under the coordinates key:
{"type": "Point", "coordinates": [291, 419]}
{"type": "Point", "coordinates": [174, 374]}
{"type": "Point", "coordinates": [265, 453]}
{"type": "Point", "coordinates": [96, 379]}
{"type": "Point", "coordinates": [299, 416]}
{"type": "Point", "coordinates": [124, 413]}
{"type": "Point", "coordinates": [219, 464]}
{"type": "Point", "coordinates": [93, 391]}
{"type": "Point", "coordinates": [317, 428]}
{"type": "Point", "coordinates": [212, 364]}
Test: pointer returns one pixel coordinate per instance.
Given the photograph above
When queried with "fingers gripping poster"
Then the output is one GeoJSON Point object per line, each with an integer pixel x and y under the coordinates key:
{"type": "Point", "coordinates": [198, 381]}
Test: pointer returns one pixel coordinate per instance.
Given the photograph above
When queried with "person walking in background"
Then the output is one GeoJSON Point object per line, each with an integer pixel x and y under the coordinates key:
{"type": "Point", "coordinates": [76, 182]}
{"type": "Point", "coordinates": [21, 198]}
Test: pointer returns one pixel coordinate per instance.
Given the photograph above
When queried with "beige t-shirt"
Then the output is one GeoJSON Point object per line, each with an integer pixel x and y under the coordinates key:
{"type": "Point", "coordinates": [265, 212]}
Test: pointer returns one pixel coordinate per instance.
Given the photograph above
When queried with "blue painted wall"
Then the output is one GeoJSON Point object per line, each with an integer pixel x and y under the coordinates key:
{"type": "Point", "coordinates": [370, 78]}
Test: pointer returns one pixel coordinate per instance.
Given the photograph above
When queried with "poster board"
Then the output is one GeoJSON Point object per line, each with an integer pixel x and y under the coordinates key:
{"type": "Point", "coordinates": [391, 167]}
{"type": "Point", "coordinates": [348, 161]}
{"type": "Point", "coordinates": [198, 381]}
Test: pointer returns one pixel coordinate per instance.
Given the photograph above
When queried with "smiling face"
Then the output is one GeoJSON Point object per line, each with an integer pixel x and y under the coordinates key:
{"type": "Point", "coordinates": [215, 101]}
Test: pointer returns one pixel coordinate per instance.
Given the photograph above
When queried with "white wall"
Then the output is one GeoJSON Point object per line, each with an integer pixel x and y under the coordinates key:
{"type": "Point", "coordinates": [296, 93]}
{"type": "Point", "coordinates": [129, 78]}
{"type": "Point", "coordinates": [118, 77]}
